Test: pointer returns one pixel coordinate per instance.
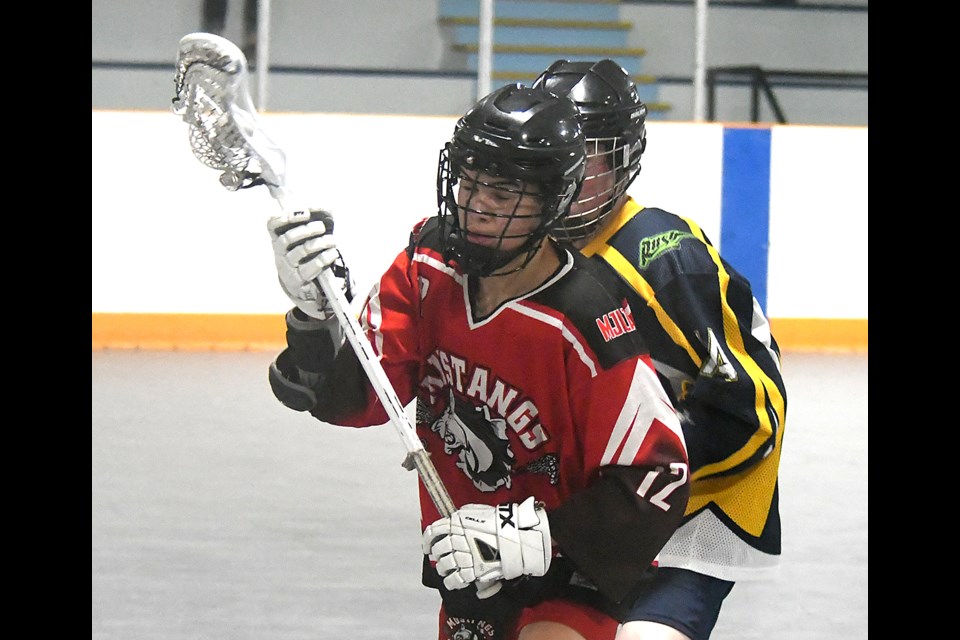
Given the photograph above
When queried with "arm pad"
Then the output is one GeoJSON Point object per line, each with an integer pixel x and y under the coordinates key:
{"type": "Point", "coordinates": [612, 535]}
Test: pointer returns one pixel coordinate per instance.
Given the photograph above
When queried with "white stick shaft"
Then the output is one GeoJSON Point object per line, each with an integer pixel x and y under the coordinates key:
{"type": "Point", "coordinates": [225, 135]}
{"type": "Point", "coordinates": [388, 396]}
{"type": "Point", "coordinates": [417, 456]}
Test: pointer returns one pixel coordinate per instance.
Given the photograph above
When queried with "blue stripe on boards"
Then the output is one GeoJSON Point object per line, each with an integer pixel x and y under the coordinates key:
{"type": "Point", "coordinates": [745, 205]}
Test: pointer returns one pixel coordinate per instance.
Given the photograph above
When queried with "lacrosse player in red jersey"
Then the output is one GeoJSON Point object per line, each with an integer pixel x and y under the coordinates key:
{"type": "Point", "coordinates": [709, 337]}
{"type": "Point", "coordinates": [536, 399]}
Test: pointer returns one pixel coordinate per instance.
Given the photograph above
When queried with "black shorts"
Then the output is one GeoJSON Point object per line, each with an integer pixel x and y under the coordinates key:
{"type": "Point", "coordinates": [685, 600]}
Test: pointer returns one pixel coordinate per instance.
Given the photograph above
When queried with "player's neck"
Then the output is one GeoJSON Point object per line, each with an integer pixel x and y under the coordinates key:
{"type": "Point", "coordinates": [493, 291]}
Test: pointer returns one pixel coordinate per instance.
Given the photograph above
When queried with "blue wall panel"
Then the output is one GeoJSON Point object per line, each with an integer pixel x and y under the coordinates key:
{"type": "Point", "coordinates": [745, 205]}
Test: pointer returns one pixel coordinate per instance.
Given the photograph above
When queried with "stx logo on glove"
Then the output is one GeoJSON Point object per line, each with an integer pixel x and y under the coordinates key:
{"type": "Point", "coordinates": [480, 543]}
{"type": "Point", "coordinates": [505, 511]}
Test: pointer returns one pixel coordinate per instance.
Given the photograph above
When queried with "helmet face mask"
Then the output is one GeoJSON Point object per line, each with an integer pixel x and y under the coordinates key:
{"type": "Point", "coordinates": [496, 218]}
{"type": "Point", "coordinates": [614, 127]}
{"type": "Point", "coordinates": [612, 166]}
{"type": "Point", "coordinates": [507, 178]}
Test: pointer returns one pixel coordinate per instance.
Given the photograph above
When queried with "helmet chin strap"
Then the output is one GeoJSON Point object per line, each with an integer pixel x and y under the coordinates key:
{"type": "Point", "coordinates": [478, 260]}
{"type": "Point", "coordinates": [481, 260]}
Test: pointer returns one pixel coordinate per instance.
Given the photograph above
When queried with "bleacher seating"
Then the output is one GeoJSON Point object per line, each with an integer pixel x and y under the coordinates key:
{"type": "Point", "coordinates": [530, 34]}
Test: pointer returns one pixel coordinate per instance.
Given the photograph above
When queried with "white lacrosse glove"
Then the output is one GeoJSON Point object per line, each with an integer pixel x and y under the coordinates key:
{"type": "Point", "coordinates": [485, 543]}
{"type": "Point", "coordinates": [303, 246]}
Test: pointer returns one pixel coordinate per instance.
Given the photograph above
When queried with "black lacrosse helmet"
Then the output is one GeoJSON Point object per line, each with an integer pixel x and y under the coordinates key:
{"type": "Point", "coordinates": [613, 119]}
{"type": "Point", "coordinates": [521, 134]}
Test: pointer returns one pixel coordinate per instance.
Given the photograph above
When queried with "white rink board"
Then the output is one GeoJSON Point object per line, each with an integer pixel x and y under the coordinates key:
{"type": "Point", "coordinates": [167, 238]}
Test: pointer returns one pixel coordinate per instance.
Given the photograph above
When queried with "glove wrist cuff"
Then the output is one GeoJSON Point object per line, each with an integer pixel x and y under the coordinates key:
{"type": "Point", "coordinates": [298, 320]}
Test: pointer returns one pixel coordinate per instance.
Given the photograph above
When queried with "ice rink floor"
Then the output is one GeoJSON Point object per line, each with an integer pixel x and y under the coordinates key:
{"type": "Point", "coordinates": [218, 514]}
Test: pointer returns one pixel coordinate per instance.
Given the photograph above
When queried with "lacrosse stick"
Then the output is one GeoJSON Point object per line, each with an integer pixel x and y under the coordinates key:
{"type": "Point", "coordinates": [213, 98]}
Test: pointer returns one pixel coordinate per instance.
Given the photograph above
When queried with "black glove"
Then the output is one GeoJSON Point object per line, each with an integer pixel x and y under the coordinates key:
{"type": "Point", "coordinates": [300, 369]}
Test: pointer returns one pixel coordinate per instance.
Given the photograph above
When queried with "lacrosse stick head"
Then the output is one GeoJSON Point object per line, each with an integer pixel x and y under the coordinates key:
{"type": "Point", "coordinates": [213, 98]}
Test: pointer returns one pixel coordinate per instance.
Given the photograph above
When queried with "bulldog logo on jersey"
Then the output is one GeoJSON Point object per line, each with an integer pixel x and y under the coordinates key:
{"type": "Point", "coordinates": [479, 441]}
{"type": "Point", "coordinates": [463, 629]}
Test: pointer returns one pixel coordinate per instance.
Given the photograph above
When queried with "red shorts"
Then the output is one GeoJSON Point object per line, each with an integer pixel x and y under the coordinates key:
{"type": "Point", "coordinates": [587, 621]}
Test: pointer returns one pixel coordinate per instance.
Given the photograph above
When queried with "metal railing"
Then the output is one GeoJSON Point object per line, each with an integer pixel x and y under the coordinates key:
{"type": "Point", "coordinates": [762, 82]}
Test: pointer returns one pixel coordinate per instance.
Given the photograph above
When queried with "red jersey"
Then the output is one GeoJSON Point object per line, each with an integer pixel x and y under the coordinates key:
{"type": "Point", "coordinates": [545, 396]}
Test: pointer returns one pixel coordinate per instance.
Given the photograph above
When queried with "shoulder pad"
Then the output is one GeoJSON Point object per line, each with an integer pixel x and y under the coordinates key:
{"type": "Point", "coordinates": [593, 299]}
{"type": "Point", "coordinates": [425, 233]}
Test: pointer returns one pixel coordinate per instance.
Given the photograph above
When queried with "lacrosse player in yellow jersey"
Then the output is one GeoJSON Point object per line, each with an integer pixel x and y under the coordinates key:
{"type": "Point", "coordinates": [708, 337]}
